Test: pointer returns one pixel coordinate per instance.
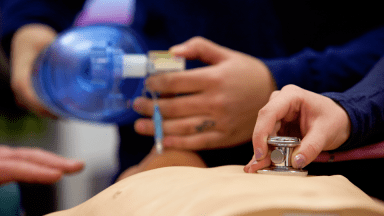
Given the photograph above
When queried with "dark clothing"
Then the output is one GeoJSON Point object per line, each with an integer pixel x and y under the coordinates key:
{"type": "Point", "coordinates": [364, 104]}
{"type": "Point", "coordinates": [314, 45]}
{"type": "Point", "coordinates": [317, 46]}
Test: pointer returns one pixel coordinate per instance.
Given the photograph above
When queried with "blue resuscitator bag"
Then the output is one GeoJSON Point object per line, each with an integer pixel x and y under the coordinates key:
{"type": "Point", "coordinates": [95, 72]}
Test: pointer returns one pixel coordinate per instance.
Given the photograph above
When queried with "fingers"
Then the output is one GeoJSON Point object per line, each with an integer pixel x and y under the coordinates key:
{"type": "Point", "coordinates": [199, 141]}
{"type": "Point", "coordinates": [42, 158]}
{"type": "Point", "coordinates": [293, 111]}
{"type": "Point", "coordinates": [281, 106]}
{"type": "Point", "coordinates": [274, 94]}
{"type": "Point", "coordinates": [201, 49]}
{"type": "Point", "coordinates": [188, 138]}
{"type": "Point", "coordinates": [182, 126]}
{"type": "Point", "coordinates": [22, 171]}
{"type": "Point", "coordinates": [255, 165]}
{"type": "Point", "coordinates": [175, 107]}
{"type": "Point", "coordinates": [194, 80]}
{"type": "Point", "coordinates": [310, 147]}
{"type": "Point", "coordinates": [191, 81]}
{"type": "Point", "coordinates": [191, 133]}
{"type": "Point", "coordinates": [34, 165]}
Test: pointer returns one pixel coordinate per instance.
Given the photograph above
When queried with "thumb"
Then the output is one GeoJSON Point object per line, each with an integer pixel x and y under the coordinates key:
{"type": "Point", "coordinates": [310, 147]}
{"type": "Point", "coordinates": [202, 49]}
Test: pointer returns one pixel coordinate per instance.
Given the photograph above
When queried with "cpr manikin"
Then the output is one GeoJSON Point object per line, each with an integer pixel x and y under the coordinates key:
{"type": "Point", "coordinates": [225, 191]}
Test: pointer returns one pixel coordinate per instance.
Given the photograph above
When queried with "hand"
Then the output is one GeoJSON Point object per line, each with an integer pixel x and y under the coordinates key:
{"type": "Point", "coordinates": [219, 103]}
{"type": "Point", "coordinates": [34, 166]}
{"type": "Point", "coordinates": [319, 121]}
{"type": "Point", "coordinates": [27, 43]}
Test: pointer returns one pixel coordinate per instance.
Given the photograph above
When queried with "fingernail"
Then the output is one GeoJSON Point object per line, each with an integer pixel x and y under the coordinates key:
{"type": "Point", "coordinates": [254, 162]}
{"type": "Point", "coordinates": [258, 153]}
{"type": "Point", "coordinates": [300, 161]}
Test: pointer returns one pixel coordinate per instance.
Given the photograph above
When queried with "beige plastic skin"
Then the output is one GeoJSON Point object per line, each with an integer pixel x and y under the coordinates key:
{"type": "Point", "coordinates": [225, 191]}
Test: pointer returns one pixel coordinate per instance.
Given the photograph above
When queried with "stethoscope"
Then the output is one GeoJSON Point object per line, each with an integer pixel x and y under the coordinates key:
{"type": "Point", "coordinates": [281, 152]}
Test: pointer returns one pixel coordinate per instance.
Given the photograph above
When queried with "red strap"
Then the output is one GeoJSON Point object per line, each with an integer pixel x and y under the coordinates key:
{"type": "Point", "coordinates": [366, 152]}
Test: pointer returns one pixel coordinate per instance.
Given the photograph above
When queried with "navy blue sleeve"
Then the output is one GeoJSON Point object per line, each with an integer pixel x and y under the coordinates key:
{"type": "Point", "coordinates": [364, 104]}
{"type": "Point", "coordinates": [334, 69]}
{"type": "Point", "coordinates": [59, 14]}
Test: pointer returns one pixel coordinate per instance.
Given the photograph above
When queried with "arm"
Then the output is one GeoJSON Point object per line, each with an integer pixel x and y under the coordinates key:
{"type": "Point", "coordinates": [336, 68]}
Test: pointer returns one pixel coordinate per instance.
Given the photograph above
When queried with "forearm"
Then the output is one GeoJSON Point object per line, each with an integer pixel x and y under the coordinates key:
{"type": "Point", "coordinates": [333, 69]}
{"type": "Point", "coordinates": [364, 104]}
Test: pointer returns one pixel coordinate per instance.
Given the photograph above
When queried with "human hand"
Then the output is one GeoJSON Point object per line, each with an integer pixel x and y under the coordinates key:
{"type": "Point", "coordinates": [34, 165]}
{"type": "Point", "coordinates": [218, 104]}
{"type": "Point", "coordinates": [319, 121]}
{"type": "Point", "coordinates": [27, 43]}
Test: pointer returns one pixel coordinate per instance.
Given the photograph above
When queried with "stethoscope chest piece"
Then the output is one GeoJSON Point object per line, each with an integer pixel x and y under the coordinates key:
{"type": "Point", "coordinates": [281, 152]}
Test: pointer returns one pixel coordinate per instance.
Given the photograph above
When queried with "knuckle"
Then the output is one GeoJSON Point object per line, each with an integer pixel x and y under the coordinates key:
{"type": "Point", "coordinates": [274, 94]}
{"type": "Point", "coordinates": [198, 43]}
{"type": "Point", "coordinates": [263, 111]}
{"type": "Point", "coordinates": [218, 103]}
{"type": "Point", "coordinates": [215, 79]}
{"type": "Point", "coordinates": [290, 87]}
{"type": "Point", "coordinates": [197, 40]}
